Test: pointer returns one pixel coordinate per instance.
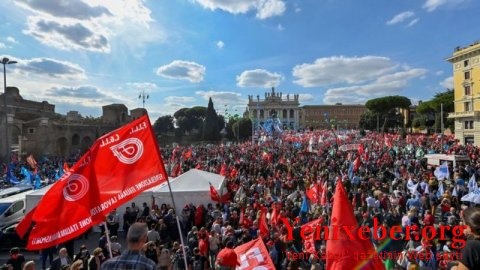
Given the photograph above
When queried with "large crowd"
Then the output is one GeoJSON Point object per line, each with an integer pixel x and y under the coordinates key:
{"type": "Point", "coordinates": [274, 173]}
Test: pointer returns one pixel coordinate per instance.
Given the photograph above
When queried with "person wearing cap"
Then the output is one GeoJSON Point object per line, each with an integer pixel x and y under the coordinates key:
{"type": "Point", "coordinates": [16, 259]}
{"type": "Point", "coordinates": [227, 258]}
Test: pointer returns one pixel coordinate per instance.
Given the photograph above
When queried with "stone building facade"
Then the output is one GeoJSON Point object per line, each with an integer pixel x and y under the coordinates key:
{"type": "Point", "coordinates": [344, 116]}
{"type": "Point", "coordinates": [275, 105]}
{"type": "Point", "coordinates": [35, 128]}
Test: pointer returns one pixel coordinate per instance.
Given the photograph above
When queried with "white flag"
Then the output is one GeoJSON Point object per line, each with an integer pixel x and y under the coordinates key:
{"type": "Point", "coordinates": [442, 171]}
{"type": "Point", "coordinates": [472, 184]}
{"type": "Point", "coordinates": [454, 193]}
{"type": "Point", "coordinates": [440, 190]}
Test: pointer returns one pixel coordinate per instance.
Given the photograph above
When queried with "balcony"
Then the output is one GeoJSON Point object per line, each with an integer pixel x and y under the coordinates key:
{"type": "Point", "coordinates": [463, 114]}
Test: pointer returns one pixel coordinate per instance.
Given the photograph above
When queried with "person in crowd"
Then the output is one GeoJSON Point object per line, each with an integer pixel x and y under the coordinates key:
{"type": "Point", "coordinates": [77, 265]}
{"type": "Point", "coordinates": [97, 260]}
{"type": "Point", "coordinates": [83, 255]}
{"type": "Point", "coordinates": [30, 265]}
{"type": "Point", "coordinates": [62, 260]}
{"type": "Point", "coordinates": [16, 259]}
{"type": "Point", "coordinates": [227, 258]}
{"type": "Point", "coordinates": [47, 253]}
{"type": "Point", "coordinates": [132, 258]}
{"type": "Point", "coordinates": [113, 222]}
{"type": "Point", "coordinates": [470, 256]}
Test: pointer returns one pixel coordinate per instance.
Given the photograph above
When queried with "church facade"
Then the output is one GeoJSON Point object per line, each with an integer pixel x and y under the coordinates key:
{"type": "Point", "coordinates": [276, 106]}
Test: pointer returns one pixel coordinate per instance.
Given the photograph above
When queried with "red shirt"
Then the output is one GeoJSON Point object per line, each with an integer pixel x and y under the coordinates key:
{"type": "Point", "coordinates": [203, 247]}
{"type": "Point", "coordinates": [227, 257]}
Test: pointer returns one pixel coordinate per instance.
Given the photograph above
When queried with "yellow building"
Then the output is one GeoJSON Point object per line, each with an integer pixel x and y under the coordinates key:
{"type": "Point", "coordinates": [466, 82]}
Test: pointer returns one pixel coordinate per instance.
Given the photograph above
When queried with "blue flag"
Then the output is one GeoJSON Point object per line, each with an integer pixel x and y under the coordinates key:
{"type": "Point", "coordinates": [10, 175]}
{"type": "Point", "coordinates": [350, 171]}
{"type": "Point", "coordinates": [440, 190]}
{"type": "Point", "coordinates": [38, 182]}
{"type": "Point", "coordinates": [305, 206]}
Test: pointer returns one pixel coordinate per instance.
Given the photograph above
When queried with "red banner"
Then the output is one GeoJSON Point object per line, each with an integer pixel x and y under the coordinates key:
{"type": "Point", "coordinates": [119, 166]}
{"type": "Point", "coordinates": [254, 255]}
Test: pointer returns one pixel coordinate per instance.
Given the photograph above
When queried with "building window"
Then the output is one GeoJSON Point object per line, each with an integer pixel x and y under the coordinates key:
{"type": "Point", "coordinates": [468, 90]}
{"type": "Point", "coordinates": [468, 106]}
{"type": "Point", "coordinates": [261, 114]}
{"type": "Point", "coordinates": [467, 75]}
{"type": "Point", "coordinates": [31, 131]}
{"type": "Point", "coordinates": [291, 114]}
{"type": "Point", "coordinates": [465, 63]}
{"type": "Point", "coordinates": [468, 125]}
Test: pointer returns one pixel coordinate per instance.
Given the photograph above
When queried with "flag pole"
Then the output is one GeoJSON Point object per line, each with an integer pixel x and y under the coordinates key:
{"type": "Point", "coordinates": [178, 223]}
{"type": "Point", "coordinates": [108, 239]}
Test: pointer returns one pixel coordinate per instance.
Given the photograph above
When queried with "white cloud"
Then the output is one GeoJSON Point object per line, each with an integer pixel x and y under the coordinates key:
{"type": "Point", "coordinates": [259, 78]}
{"type": "Point", "coordinates": [2, 45]}
{"type": "Point", "coordinates": [390, 84]}
{"type": "Point", "coordinates": [223, 97]}
{"type": "Point", "coordinates": [280, 27]}
{"type": "Point", "coordinates": [47, 68]}
{"type": "Point", "coordinates": [341, 69]}
{"type": "Point", "coordinates": [439, 72]}
{"type": "Point", "coordinates": [220, 44]}
{"type": "Point", "coordinates": [447, 83]}
{"type": "Point", "coordinates": [11, 40]}
{"type": "Point", "coordinates": [182, 70]}
{"type": "Point", "coordinates": [270, 8]}
{"type": "Point", "coordinates": [413, 22]}
{"type": "Point", "coordinates": [401, 17]}
{"type": "Point", "coordinates": [264, 8]}
{"type": "Point", "coordinates": [91, 25]}
{"type": "Point", "coordinates": [431, 5]}
{"type": "Point", "coordinates": [175, 99]}
{"type": "Point", "coordinates": [140, 86]}
{"type": "Point", "coordinates": [67, 36]}
{"type": "Point", "coordinates": [306, 97]}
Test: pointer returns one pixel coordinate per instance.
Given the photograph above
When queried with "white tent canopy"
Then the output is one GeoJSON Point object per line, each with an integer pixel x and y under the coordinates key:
{"type": "Point", "coordinates": [190, 187]}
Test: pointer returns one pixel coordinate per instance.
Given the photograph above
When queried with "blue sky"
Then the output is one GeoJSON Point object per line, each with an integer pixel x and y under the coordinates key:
{"type": "Point", "coordinates": [80, 54]}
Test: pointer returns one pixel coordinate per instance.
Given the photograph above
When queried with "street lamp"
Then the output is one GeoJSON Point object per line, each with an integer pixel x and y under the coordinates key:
{"type": "Point", "coordinates": [143, 97]}
{"type": "Point", "coordinates": [5, 62]}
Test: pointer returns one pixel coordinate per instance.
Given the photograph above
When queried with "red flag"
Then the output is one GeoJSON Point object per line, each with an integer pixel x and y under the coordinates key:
{"type": "Point", "coordinates": [340, 247]}
{"type": "Point", "coordinates": [214, 194]}
{"type": "Point", "coordinates": [356, 164]}
{"type": "Point", "coordinates": [361, 151]}
{"type": "Point", "coordinates": [177, 170]}
{"type": "Point", "coordinates": [262, 224]}
{"type": "Point", "coordinates": [223, 169]}
{"type": "Point", "coordinates": [65, 167]}
{"type": "Point", "coordinates": [313, 193]}
{"type": "Point", "coordinates": [254, 255]}
{"type": "Point", "coordinates": [310, 239]}
{"type": "Point", "coordinates": [388, 141]}
{"type": "Point", "coordinates": [275, 215]}
{"type": "Point", "coordinates": [32, 162]}
{"type": "Point", "coordinates": [198, 167]}
{"type": "Point", "coordinates": [242, 217]}
{"type": "Point", "coordinates": [187, 154]}
{"type": "Point", "coordinates": [24, 225]}
{"type": "Point", "coordinates": [119, 166]}
{"type": "Point", "coordinates": [323, 195]}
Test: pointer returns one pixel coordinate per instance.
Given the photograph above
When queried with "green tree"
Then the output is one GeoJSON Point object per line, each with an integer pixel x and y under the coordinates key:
{"type": "Point", "coordinates": [163, 124]}
{"type": "Point", "coordinates": [432, 109]}
{"type": "Point", "coordinates": [211, 129]}
{"type": "Point", "coordinates": [386, 105]}
{"type": "Point", "coordinates": [242, 128]}
{"type": "Point", "coordinates": [188, 119]}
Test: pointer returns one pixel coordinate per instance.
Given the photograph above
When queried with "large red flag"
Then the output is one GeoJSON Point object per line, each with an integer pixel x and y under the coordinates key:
{"type": "Point", "coordinates": [119, 166]}
{"type": "Point", "coordinates": [341, 249]}
{"type": "Point", "coordinates": [24, 225]}
{"type": "Point", "coordinates": [309, 242]}
{"type": "Point", "coordinates": [356, 164]}
{"type": "Point", "coordinates": [214, 196]}
{"type": "Point", "coordinates": [254, 255]}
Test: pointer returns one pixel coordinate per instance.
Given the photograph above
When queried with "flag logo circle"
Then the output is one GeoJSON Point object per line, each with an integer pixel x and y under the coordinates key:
{"type": "Point", "coordinates": [128, 151]}
{"type": "Point", "coordinates": [76, 188]}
